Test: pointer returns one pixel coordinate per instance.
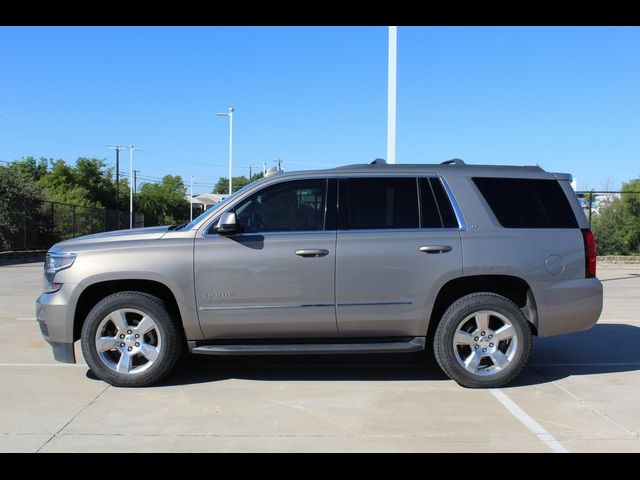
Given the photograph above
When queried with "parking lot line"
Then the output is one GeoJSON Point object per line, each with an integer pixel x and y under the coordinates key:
{"type": "Point", "coordinates": [595, 364]}
{"type": "Point", "coordinates": [42, 365]}
{"type": "Point", "coordinates": [533, 426]}
{"type": "Point", "coordinates": [26, 318]}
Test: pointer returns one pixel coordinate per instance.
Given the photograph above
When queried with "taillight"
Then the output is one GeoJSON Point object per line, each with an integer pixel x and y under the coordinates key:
{"type": "Point", "coordinates": [589, 253]}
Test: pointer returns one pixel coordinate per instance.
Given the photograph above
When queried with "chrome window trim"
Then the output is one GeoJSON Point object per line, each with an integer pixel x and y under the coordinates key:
{"type": "Point", "coordinates": [263, 234]}
{"type": "Point", "coordinates": [454, 204]}
{"type": "Point", "coordinates": [402, 230]}
{"type": "Point", "coordinates": [462, 225]}
{"type": "Point", "coordinates": [216, 215]}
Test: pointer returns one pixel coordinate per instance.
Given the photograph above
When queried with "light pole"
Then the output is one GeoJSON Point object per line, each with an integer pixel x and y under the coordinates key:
{"type": "Point", "coordinates": [229, 114]}
{"type": "Point", "coordinates": [391, 96]}
{"type": "Point", "coordinates": [191, 202]}
{"type": "Point", "coordinates": [131, 150]}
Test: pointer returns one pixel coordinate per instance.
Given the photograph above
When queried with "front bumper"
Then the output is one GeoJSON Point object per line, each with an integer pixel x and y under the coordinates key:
{"type": "Point", "coordinates": [56, 324]}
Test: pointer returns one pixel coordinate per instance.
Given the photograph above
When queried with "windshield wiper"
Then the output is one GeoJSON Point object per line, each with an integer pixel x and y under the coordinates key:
{"type": "Point", "coordinates": [177, 227]}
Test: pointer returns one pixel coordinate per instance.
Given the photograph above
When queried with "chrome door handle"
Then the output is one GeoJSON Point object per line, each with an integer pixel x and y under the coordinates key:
{"type": "Point", "coordinates": [312, 252]}
{"type": "Point", "coordinates": [435, 249]}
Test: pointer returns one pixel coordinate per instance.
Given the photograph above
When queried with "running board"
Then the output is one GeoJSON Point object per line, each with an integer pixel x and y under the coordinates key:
{"type": "Point", "coordinates": [410, 345]}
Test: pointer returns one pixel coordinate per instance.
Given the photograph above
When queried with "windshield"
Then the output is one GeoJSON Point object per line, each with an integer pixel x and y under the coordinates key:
{"type": "Point", "coordinates": [209, 210]}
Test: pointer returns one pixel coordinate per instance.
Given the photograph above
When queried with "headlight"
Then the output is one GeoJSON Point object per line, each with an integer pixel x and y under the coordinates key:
{"type": "Point", "coordinates": [52, 265]}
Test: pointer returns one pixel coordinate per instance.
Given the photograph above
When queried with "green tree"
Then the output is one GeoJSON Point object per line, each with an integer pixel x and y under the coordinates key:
{"type": "Point", "coordinates": [87, 184]}
{"type": "Point", "coordinates": [238, 182]}
{"type": "Point", "coordinates": [29, 169]}
{"type": "Point", "coordinates": [164, 203]}
{"type": "Point", "coordinates": [95, 177]}
{"type": "Point", "coordinates": [17, 195]}
{"type": "Point", "coordinates": [616, 226]}
{"type": "Point", "coordinates": [60, 185]}
{"type": "Point", "coordinates": [631, 204]}
{"type": "Point", "coordinates": [606, 228]}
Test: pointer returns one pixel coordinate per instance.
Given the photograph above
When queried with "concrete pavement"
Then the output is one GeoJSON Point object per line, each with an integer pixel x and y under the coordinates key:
{"type": "Point", "coordinates": [579, 394]}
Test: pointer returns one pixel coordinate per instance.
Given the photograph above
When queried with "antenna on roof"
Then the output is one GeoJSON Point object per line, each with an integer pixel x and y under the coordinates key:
{"type": "Point", "coordinates": [379, 161]}
{"type": "Point", "coordinates": [453, 161]}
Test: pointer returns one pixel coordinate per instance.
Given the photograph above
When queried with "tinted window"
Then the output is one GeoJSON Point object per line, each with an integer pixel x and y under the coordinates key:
{"type": "Point", "coordinates": [428, 207]}
{"type": "Point", "coordinates": [444, 205]}
{"type": "Point", "coordinates": [376, 203]}
{"type": "Point", "coordinates": [435, 206]}
{"type": "Point", "coordinates": [285, 207]}
{"type": "Point", "coordinates": [527, 203]}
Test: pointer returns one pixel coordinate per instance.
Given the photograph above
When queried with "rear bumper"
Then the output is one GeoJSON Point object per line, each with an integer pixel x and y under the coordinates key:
{"type": "Point", "coordinates": [568, 306]}
{"type": "Point", "coordinates": [55, 326]}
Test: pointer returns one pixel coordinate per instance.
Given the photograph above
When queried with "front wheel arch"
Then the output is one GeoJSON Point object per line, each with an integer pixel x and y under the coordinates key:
{"type": "Point", "coordinates": [95, 292]}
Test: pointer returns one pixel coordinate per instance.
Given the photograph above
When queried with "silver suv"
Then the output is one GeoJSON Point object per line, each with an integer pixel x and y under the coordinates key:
{"type": "Point", "coordinates": [472, 259]}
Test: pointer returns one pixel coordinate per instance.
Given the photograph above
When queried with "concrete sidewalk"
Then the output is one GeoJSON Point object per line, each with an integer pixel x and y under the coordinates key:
{"type": "Point", "coordinates": [579, 394]}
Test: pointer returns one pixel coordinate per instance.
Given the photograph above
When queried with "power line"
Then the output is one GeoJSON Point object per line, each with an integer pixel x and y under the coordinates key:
{"type": "Point", "coordinates": [28, 130]}
{"type": "Point", "coordinates": [168, 157]}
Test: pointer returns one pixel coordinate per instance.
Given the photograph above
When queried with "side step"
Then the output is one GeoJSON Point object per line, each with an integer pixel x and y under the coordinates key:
{"type": "Point", "coordinates": [413, 344]}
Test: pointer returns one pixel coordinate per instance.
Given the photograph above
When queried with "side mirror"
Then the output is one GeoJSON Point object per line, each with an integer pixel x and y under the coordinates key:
{"type": "Point", "coordinates": [227, 223]}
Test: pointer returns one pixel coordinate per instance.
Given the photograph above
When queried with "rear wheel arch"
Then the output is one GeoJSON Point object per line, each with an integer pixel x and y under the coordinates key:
{"type": "Point", "coordinates": [511, 287]}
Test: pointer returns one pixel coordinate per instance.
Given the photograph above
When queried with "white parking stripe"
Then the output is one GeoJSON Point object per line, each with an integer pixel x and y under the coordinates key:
{"type": "Point", "coordinates": [42, 365]}
{"type": "Point", "coordinates": [26, 318]}
{"type": "Point", "coordinates": [528, 422]}
{"type": "Point", "coordinates": [595, 364]}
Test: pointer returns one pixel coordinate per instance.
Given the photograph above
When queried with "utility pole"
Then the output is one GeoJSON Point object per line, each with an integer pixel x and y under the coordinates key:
{"type": "Point", "coordinates": [264, 168]}
{"type": "Point", "coordinates": [117, 176]}
{"type": "Point", "coordinates": [135, 181]}
{"type": "Point", "coordinates": [191, 201]}
{"type": "Point", "coordinates": [251, 167]}
{"type": "Point", "coordinates": [279, 162]}
{"type": "Point", "coordinates": [117, 148]}
{"type": "Point", "coordinates": [131, 150]}
{"type": "Point", "coordinates": [391, 95]}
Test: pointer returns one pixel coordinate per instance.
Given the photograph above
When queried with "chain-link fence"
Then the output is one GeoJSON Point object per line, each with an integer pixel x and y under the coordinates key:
{"type": "Point", "coordinates": [614, 217]}
{"type": "Point", "coordinates": [38, 226]}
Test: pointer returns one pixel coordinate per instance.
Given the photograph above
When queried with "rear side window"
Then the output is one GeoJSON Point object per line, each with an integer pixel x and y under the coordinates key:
{"type": "Point", "coordinates": [527, 203]}
{"type": "Point", "coordinates": [378, 203]}
{"type": "Point", "coordinates": [436, 208]}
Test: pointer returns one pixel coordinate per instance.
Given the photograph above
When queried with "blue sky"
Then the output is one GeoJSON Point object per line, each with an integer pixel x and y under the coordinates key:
{"type": "Point", "coordinates": [566, 98]}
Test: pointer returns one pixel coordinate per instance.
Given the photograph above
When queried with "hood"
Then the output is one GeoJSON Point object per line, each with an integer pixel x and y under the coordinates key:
{"type": "Point", "coordinates": [148, 233]}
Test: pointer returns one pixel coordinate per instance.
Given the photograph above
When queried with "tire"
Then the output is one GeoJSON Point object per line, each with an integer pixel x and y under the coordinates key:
{"type": "Point", "coordinates": [483, 341]}
{"type": "Point", "coordinates": [130, 340]}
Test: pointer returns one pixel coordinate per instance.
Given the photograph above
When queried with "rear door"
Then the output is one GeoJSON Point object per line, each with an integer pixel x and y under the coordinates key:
{"type": "Point", "coordinates": [396, 246]}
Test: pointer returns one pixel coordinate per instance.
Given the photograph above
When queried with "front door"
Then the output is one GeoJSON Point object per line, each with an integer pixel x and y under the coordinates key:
{"type": "Point", "coordinates": [274, 278]}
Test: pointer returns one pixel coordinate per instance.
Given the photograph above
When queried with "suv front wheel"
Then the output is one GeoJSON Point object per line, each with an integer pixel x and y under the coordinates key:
{"type": "Point", "coordinates": [130, 340]}
{"type": "Point", "coordinates": [482, 341]}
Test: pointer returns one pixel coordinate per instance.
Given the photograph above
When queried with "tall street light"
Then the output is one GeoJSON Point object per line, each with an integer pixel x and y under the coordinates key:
{"type": "Point", "coordinates": [229, 114]}
{"type": "Point", "coordinates": [131, 150]}
{"type": "Point", "coordinates": [391, 96]}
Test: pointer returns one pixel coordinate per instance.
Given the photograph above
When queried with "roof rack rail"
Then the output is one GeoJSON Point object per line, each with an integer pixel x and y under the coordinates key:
{"type": "Point", "coordinates": [272, 171]}
{"type": "Point", "coordinates": [453, 161]}
{"type": "Point", "coordinates": [379, 161]}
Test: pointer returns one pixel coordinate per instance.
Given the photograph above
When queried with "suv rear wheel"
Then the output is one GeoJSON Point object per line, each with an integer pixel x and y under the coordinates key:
{"type": "Point", "coordinates": [482, 341]}
{"type": "Point", "coordinates": [130, 340]}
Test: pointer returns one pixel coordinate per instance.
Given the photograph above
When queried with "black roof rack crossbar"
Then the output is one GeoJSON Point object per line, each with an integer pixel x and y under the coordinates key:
{"type": "Point", "coordinates": [453, 161]}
